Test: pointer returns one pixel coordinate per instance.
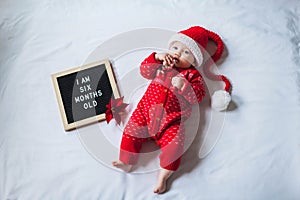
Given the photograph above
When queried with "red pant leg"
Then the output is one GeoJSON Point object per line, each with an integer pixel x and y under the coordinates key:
{"type": "Point", "coordinates": [172, 147]}
{"type": "Point", "coordinates": [135, 133]}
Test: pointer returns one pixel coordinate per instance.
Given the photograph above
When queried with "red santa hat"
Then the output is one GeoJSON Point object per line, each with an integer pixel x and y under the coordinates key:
{"type": "Point", "coordinates": [196, 39]}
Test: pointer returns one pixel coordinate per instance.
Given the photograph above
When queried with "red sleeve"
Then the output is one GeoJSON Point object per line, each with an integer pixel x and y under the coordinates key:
{"type": "Point", "coordinates": [194, 89]}
{"type": "Point", "coordinates": [149, 67]}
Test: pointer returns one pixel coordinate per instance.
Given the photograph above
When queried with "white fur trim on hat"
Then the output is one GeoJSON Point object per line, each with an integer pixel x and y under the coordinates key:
{"type": "Point", "coordinates": [220, 100]}
{"type": "Point", "coordinates": [191, 44]}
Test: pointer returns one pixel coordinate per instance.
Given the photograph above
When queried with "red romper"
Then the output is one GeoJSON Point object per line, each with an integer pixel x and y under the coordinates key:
{"type": "Point", "coordinates": [161, 112]}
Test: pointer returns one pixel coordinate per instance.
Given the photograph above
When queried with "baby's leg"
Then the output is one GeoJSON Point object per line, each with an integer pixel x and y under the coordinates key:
{"type": "Point", "coordinates": [171, 144]}
{"type": "Point", "coordinates": [129, 152]}
{"type": "Point", "coordinates": [172, 147]}
{"type": "Point", "coordinates": [163, 176]}
{"type": "Point", "coordinates": [132, 139]}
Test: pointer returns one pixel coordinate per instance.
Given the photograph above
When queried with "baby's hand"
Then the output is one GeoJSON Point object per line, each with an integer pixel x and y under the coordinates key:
{"type": "Point", "coordinates": [178, 82]}
{"type": "Point", "coordinates": [166, 59]}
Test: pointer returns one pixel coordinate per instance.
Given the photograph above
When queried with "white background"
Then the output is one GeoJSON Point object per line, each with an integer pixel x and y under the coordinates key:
{"type": "Point", "coordinates": [257, 156]}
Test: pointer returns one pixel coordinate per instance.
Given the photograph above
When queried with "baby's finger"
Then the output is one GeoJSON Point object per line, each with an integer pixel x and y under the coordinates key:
{"type": "Point", "coordinates": [164, 63]}
{"type": "Point", "coordinates": [168, 60]}
{"type": "Point", "coordinates": [171, 61]}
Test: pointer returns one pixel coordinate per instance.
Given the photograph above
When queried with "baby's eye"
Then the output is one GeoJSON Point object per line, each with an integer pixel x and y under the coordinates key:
{"type": "Point", "coordinates": [174, 47]}
{"type": "Point", "coordinates": [186, 52]}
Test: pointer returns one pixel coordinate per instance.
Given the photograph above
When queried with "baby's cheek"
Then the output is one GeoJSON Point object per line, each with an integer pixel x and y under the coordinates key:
{"type": "Point", "coordinates": [184, 64]}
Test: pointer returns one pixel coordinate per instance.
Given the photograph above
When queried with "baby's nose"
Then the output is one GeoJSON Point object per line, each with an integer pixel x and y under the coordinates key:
{"type": "Point", "coordinates": [177, 54]}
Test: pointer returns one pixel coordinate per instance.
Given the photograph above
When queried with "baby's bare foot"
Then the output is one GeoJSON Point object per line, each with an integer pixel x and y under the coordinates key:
{"type": "Point", "coordinates": [162, 181]}
{"type": "Point", "coordinates": [160, 187]}
{"type": "Point", "coordinates": [121, 165]}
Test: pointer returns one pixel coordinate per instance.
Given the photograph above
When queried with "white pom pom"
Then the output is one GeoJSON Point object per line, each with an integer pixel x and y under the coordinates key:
{"type": "Point", "coordinates": [220, 100]}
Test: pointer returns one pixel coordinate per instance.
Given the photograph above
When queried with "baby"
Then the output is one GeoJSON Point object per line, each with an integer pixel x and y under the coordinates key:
{"type": "Point", "coordinates": [176, 85]}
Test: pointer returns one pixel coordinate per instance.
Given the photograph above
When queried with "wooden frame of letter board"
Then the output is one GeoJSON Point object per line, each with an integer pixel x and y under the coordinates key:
{"type": "Point", "coordinates": [92, 119]}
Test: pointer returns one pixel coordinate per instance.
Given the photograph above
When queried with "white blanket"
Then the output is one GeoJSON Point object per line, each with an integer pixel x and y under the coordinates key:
{"type": "Point", "coordinates": [257, 153]}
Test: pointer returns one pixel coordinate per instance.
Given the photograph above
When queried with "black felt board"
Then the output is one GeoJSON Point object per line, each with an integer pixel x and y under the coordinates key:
{"type": "Point", "coordinates": [84, 92]}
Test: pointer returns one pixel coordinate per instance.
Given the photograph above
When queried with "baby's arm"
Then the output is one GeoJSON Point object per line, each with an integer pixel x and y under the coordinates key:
{"type": "Point", "coordinates": [149, 67]}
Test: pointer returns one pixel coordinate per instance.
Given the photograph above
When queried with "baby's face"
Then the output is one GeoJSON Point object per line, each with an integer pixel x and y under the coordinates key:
{"type": "Point", "coordinates": [183, 56]}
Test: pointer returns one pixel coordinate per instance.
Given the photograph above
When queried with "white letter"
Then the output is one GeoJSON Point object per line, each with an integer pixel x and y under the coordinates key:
{"type": "Point", "coordinates": [81, 97]}
{"type": "Point", "coordinates": [77, 99]}
{"type": "Point", "coordinates": [81, 89]}
{"type": "Point", "coordinates": [85, 106]}
{"type": "Point", "coordinates": [88, 87]}
{"type": "Point", "coordinates": [94, 103]}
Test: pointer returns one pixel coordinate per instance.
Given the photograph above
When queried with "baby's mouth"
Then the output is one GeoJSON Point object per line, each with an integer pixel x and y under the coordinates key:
{"type": "Point", "coordinates": [175, 60]}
